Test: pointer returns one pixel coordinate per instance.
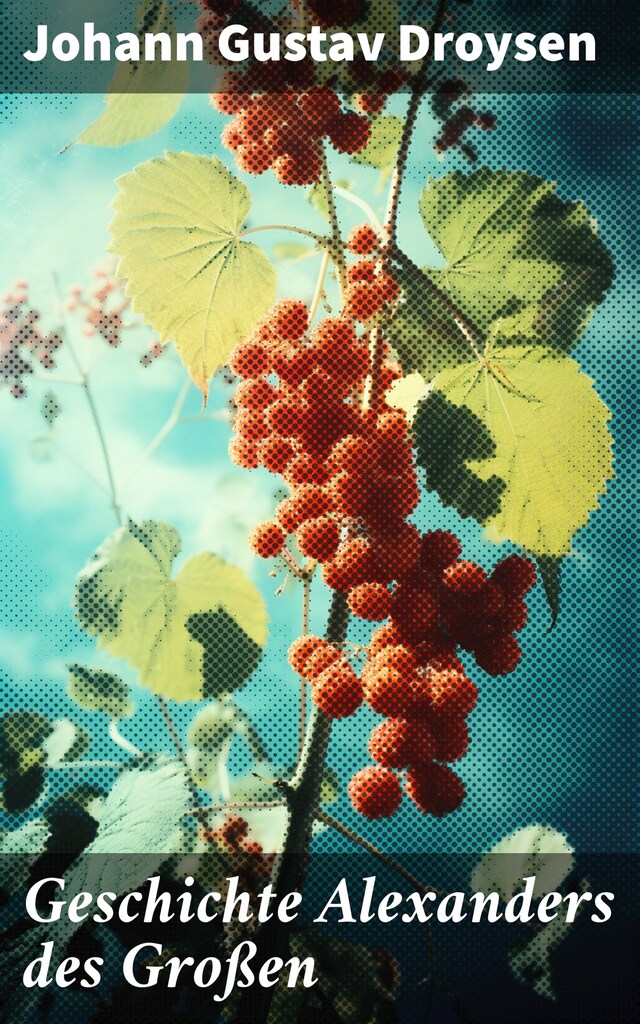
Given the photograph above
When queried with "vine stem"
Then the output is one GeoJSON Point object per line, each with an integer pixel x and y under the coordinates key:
{"type": "Point", "coordinates": [319, 239]}
{"type": "Point", "coordinates": [417, 92]}
{"type": "Point", "coordinates": [375, 851]}
{"type": "Point", "coordinates": [171, 422]}
{"type": "Point", "coordinates": [303, 796]}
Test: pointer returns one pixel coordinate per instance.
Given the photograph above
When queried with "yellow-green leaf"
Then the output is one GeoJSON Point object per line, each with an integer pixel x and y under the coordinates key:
{"type": "Point", "coordinates": [177, 230]}
{"type": "Point", "coordinates": [144, 95]}
{"type": "Point", "coordinates": [126, 597]}
{"type": "Point", "coordinates": [520, 443]}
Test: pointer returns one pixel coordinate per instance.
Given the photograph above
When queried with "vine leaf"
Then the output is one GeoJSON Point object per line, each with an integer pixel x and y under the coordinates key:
{"type": "Point", "coordinates": [209, 736]}
{"type": "Point", "coordinates": [95, 690]}
{"type": "Point", "coordinates": [144, 95]}
{"type": "Point", "coordinates": [521, 266]}
{"type": "Point", "coordinates": [176, 230]}
{"type": "Point", "coordinates": [126, 597]}
{"type": "Point", "coordinates": [534, 850]}
{"type": "Point", "coordinates": [382, 148]}
{"type": "Point", "coordinates": [521, 444]}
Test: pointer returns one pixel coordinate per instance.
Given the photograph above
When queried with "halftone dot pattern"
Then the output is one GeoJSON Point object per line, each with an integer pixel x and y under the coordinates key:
{"type": "Point", "coordinates": [425, 683]}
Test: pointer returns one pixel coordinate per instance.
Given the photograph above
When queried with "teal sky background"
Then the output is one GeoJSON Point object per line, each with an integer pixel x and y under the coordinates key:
{"type": "Point", "coordinates": [551, 743]}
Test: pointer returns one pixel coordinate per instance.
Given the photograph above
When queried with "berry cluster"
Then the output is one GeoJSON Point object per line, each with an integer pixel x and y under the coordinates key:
{"type": "Point", "coordinates": [21, 339]}
{"type": "Point", "coordinates": [284, 131]}
{"type": "Point", "coordinates": [350, 467]}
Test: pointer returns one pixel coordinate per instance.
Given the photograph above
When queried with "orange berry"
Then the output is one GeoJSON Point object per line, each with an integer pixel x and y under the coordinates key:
{"type": "Point", "coordinates": [266, 540]}
{"type": "Point", "coordinates": [301, 650]}
{"type": "Point", "coordinates": [337, 691]}
{"type": "Point", "coordinates": [318, 538]}
{"type": "Point", "coordinates": [435, 789]}
{"type": "Point", "coordinates": [375, 792]}
{"type": "Point", "coordinates": [370, 601]}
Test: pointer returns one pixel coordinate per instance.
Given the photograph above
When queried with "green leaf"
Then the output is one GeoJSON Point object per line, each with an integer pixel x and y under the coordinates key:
{"type": "Point", "coordinates": [531, 964]}
{"type": "Point", "coordinates": [318, 196]}
{"type": "Point", "coordinates": [131, 823]}
{"type": "Point", "coordinates": [521, 266]}
{"type": "Point", "coordinates": [67, 742]}
{"type": "Point", "coordinates": [520, 443]}
{"type": "Point", "coordinates": [535, 850]}
{"type": "Point", "coordinates": [126, 597]}
{"type": "Point", "coordinates": [382, 148]}
{"type": "Point", "coordinates": [95, 690]}
{"type": "Point", "coordinates": [209, 738]}
{"type": "Point", "coordinates": [144, 95]}
{"type": "Point", "coordinates": [422, 332]}
{"type": "Point", "coordinates": [358, 983]}
{"type": "Point", "coordinates": [177, 230]}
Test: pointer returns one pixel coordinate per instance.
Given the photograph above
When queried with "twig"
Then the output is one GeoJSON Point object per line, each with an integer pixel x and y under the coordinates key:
{"type": "Point", "coordinates": [318, 239]}
{"type": "Point", "coordinates": [376, 852]}
{"type": "Point", "coordinates": [171, 422]}
{"type": "Point", "coordinates": [419, 85]}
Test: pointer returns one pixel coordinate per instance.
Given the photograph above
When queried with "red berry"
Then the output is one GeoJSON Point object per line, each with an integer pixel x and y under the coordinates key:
{"type": "Point", "coordinates": [499, 656]}
{"type": "Point", "coordinates": [435, 789]}
{"type": "Point", "coordinates": [301, 650]}
{"type": "Point", "coordinates": [363, 301]}
{"type": "Point", "coordinates": [370, 601]}
{"type": "Point", "coordinates": [253, 157]}
{"type": "Point", "coordinates": [349, 132]}
{"type": "Point", "coordinates": [515, 575]}
{"type": "Point", "coordinates": [370, 103]}
{"type": "Point", "coordinates": [375, 792]}
{"type": "Point", "coordinates": [513, 617]}
{"type": "Point", "coordinates": [275, 454]}
{"type": "Point", "coordinates": [290, 319]}
{"type": "Point", "coordinates": [249, 359]}
{"type": "Point", "coordinates": [383, 637]}
{"type": "Point", "coordinates": [446, 691]}
{"type": "Point", "coordinates": [397, 743]}
{"type": "Point", "coordinates": [243, 453]}
{"type": "Point", "coordinates": [254, 394]}
{"type": "Point", "coordinates": [364, 270]}
{"type": "Point", "coordinates": [321, 105]}
{"type": "Point", "coordinates": [323, 657]}
{"type": "Point", "coordinates": [266, 540]}
{"type": "Point", "coordinates": [250, 425]}
{"type": "Point", "coordinates": [362, 240]}
{"type": "Point", "coordinates": [318, 538]}
{"type": "Point", "coordinates": [337, 691]}
{"type": "Point", "coordinates": [229, 102]}
{"type": "Point", "coordinates": [304, 469]}
{"type": "Point", "coordinates": [302, 167]}
{"type": "Point", "coordinates": [451, 739]}
{"type": "Point", "coordinates": [388, 691]}
{"type": "Point", "coordinates": [464, 578]}
{"type": "Point", "coordinates": [438, 550]}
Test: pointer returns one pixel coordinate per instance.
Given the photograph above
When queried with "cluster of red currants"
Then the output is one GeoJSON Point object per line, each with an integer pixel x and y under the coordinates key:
{"type": "Point", "coordinates": [350, 467]}
{"type": "Point", "coordinates": [285, 130]}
